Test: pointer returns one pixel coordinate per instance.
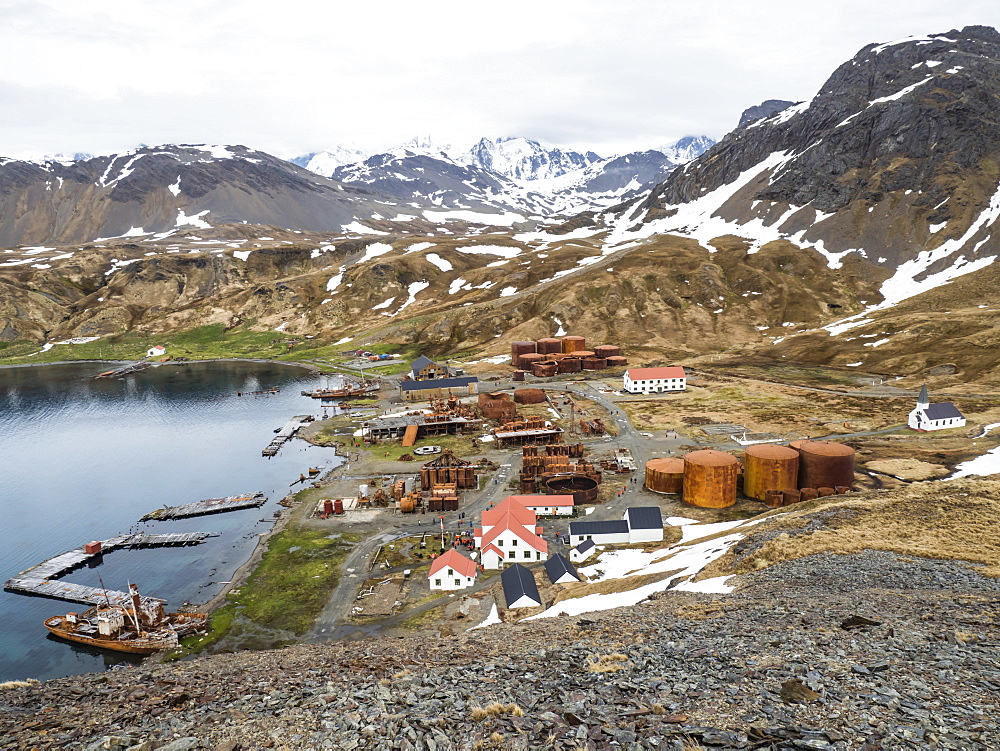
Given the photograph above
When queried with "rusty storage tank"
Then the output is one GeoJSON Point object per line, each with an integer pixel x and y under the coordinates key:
{"type": "Point", "coordinates": [407, 505]}
{"type": "Point", "coordinates": [774, 499]}
{"type": "Point", "coordinates": [327, 507]}
{"type": "Point", "coordinates": [665, 475]}
{"type": "Point", "coordinates": [582, 488]}
{"type": "Point", "coordinates": [521, 348]}
{"type": "Point", "coordinates": [570, 365]}
{"type": "Point", "coordinates": [825, 492]}
{"type": "Point", "coordinates": [594, 363]}
{"type": "Point", "coordinates": [617, 362]}
{"type": "Point", "coordinates": [710, 479]}
{"type": "Point", "coordinates": [338, 507]}
{"type": "Point", "coordinates": [607, 350]}
{"type": "Point", "coordinates": [529, 396]}
{"type": "Point", "coordinates": [544, 369]}
{"type": "Point", "coordinates": [769, 467]}
{"type": "Point", "coordinates": [790, 496]}
{"type": "Point", "coordinates": [548, 346]}
{"type": "Point", "coordinates": [518, 375]}
{"type": "Point", "coordinates": [526, 361]}
{"type": "Point", "coordinates": [808, 494]}
{"type": "Point", "coordinates": [573, 343]}
{"type": "Point", "coordinates": [582, 353]}
{"type": "Point", "coordinates": [824, 464]}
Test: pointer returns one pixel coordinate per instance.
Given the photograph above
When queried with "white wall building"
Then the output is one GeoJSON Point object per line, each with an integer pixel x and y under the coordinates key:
{"type": "Point", "coordinates": [546, 505]}
{"type": "Point", "coordinates": [926, 416]}
{"type": "Point", "coordinates": [640, 524]}
{"type": "Point", "coordinates": [654, 380]}
{"type": "Point", "coordinates": [452, 570]}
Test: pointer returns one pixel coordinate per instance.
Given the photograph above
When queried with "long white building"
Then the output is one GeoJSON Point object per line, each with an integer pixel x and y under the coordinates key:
{"type": "Point", "coordinates": [654, 380]}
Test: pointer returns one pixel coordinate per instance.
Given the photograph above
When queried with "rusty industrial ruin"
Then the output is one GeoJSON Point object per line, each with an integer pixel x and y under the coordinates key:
{"type": "Point", "coordinates": [448, 468]}
{"type": "Point", "coordinates": [548, 357]}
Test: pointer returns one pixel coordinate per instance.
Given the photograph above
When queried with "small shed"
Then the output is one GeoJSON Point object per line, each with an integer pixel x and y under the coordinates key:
{"type": "Point", "coordinates": [645, 523]}
{"type": "Point", "coordinates": [583, 551]}
{"type": "Point", "coordinates": [519, 588]}
{"type": "Point", "coordinates": [560, 570]}
{"type": "Point", "coordinates": [492, 557]}
{"type": "Point", "coordinates": [156, 351]}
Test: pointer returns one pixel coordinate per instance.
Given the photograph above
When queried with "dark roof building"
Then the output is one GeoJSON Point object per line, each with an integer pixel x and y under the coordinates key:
{"type": "Point", "coordinates": [519, 588]}
{"type": "Point", "coordinates": [598, 528]}
{"type": "Point", "coordinates": [560, 570]}
{"type": "Point", "coordinates": [644, 517]}
{"type": "Point", "coordinates": [437, 388]}
{"type": "Point", "coordinates": [424, 368]}
{"type": "Point", "coordinates": [942, 411]}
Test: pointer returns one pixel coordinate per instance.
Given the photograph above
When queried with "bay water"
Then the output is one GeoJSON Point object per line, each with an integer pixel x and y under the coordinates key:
{"type": "Point", "coordinates": [83, 459]}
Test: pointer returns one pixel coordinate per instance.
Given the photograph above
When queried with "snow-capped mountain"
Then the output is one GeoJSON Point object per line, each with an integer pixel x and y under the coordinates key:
{"type": "Point", "coordinates": [507, 174]}
{"type": "Point", "coordinates": [524, 159]}
{"type": "Point", "coordinates": [685, 149]}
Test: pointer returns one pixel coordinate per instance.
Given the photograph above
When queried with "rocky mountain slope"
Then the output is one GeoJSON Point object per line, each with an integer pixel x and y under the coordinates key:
{"type": "Point", "coordinates": [862, 650]}
{"type": "Point", "coordinates": [159, 190]}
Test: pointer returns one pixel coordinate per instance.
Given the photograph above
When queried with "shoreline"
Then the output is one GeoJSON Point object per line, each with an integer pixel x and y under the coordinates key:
{"type": "Point", "coordinates": [314, 369]}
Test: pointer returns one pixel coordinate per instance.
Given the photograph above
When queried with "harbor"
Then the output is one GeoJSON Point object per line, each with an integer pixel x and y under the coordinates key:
{"type": "Point", "coordinates": [207, 506]}
{"type": "Point", "coordinates": [286, 433]}
{"type": "Point", "coordinates": [42, 579]}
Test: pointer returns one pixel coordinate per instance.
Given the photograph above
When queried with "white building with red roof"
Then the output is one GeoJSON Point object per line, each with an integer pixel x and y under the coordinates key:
{"type": "Point", "coordinates": [546, 505]}
{"type": "Point", "coordinates": [452, 570]}
{"type": "Point", "coordinates": [509, 534]}
{"type": "Point", "coordinates": [654, 380]}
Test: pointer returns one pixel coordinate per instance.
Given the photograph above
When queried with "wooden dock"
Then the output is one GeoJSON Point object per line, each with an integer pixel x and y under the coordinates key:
{"type": "Point", "coordinates": [42, 579]}
{"type": "Point", "coordinates": [207, 506]}
{"type": "Point", "coordinates": [286, 433]}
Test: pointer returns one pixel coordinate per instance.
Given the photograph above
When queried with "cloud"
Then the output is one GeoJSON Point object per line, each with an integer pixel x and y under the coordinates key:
{"type": "Point", "coordinates": [293, 77]}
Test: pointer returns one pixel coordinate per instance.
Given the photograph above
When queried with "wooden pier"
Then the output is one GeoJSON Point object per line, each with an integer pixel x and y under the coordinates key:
{"type": "Point", "coordinates": [286, 433]}
{"type": "Point", "coordinates": [207, 506]}
{"type": "Point", "coordinates": [42, 579]}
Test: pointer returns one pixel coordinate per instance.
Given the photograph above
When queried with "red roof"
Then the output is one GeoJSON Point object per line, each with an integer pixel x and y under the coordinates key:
{"type": "Point", "coordinates": [525, 535]}
{"type": "Point", "coordinates": [648, 374]}
{"type": "Point", "coordinates": [512, 507]}
{"type": "Point", "coordinates": [543, 500]}
{"type": "Point", "coordinates": [494, 548]}
{"type": "Point", "coordinates": [453, 559]}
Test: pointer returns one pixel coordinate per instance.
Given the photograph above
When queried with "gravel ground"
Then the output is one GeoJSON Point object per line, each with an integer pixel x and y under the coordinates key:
{"type": "Point", "coordinates": [784, 663]}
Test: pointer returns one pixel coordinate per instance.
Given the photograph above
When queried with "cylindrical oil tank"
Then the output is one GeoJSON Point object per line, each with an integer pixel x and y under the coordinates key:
{"type": "Point", "coordinates": [582, 353]}
{"type": "Point", "coordinates": [790, 496]}
{"type": "Point", "coordinates": [545, 369]}
{"type": "Point", "coordinates": [570, 365]}
{"type": "Point", "coordinates": [364, 490]}
{"type": "Point", "coordinates": [665, 475]}
{"type": "Point", "coordinates": [407, 505]}
{"type": "Point", "coordinates": [808, 494]}
{"type": "Point", "coordinates": [338, 507]}
{"type": "Point", "coordinates": [573, 343]}
{"type": "Point", "coordinates": [773, 499]}
{"type": "Point", "coordinates": [594, 363]}
{"type": "Point", "coordinates": [409, 484]}
{"type": "Point", "coordinates": [582, 488]}
{"type": "Point", "coordinates": [529, 396]}
{"type": "Point", "coordinates": [824, 492]}
{"type": "Point", "coordinates": [617, 362]}
{"type": "Point", "coordinates": [327, 507]}
{"type": "Point", "coordinates": [842, 489]}
{"type": "Point", "coordinates": [525, 361]}
{"type": "Point", "coordinates": [518, 375]}
{"type": "Point", "coordinates": [548, 346]}
{"type": "Point", "coordinates": [710, 479]}
{"type": "Point", "coordinates": [769, 467]}
{"type": "Point", "coordinates": [521, 348]}
{"type": "Point", "coordinates": [825, 464]}
{"type": "Point", "coordinates": [607, 350]}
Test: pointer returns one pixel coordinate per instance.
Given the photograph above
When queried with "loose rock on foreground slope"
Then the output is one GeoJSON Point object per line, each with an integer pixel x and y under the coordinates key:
{"type": "Point", "coordinates": [712, 672]}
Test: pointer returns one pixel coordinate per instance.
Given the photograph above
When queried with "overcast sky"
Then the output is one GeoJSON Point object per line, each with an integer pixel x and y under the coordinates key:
{"type": "Point", "coordinates": [291, 77]}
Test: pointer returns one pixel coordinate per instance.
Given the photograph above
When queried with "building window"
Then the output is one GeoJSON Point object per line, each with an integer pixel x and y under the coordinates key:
{"type": "Point", "coordinates": [513, 543]}
{"type": "Point", "coordinates": [458, 582]}
{"type": "Point", "coordinates": [437, 582]}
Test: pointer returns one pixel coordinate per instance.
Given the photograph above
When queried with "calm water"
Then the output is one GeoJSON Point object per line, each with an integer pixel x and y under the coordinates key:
{"type": "Point", "coordinates": [82, 460]}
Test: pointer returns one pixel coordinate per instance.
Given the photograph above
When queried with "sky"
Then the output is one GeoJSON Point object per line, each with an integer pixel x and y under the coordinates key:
{"type": "Point", "coordinates": [295, 77]}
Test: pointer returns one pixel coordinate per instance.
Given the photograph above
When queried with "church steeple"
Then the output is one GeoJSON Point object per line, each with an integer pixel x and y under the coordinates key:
{"type": "Point", "coordinates": [923, 401]}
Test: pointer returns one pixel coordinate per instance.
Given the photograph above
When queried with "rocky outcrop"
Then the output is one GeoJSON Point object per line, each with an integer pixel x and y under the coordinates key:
{"type": "Point", "coordinates": [765, 109]}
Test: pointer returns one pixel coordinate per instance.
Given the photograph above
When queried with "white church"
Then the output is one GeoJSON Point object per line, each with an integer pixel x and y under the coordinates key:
{"type": "Point", "coordinates": [927, 416]}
